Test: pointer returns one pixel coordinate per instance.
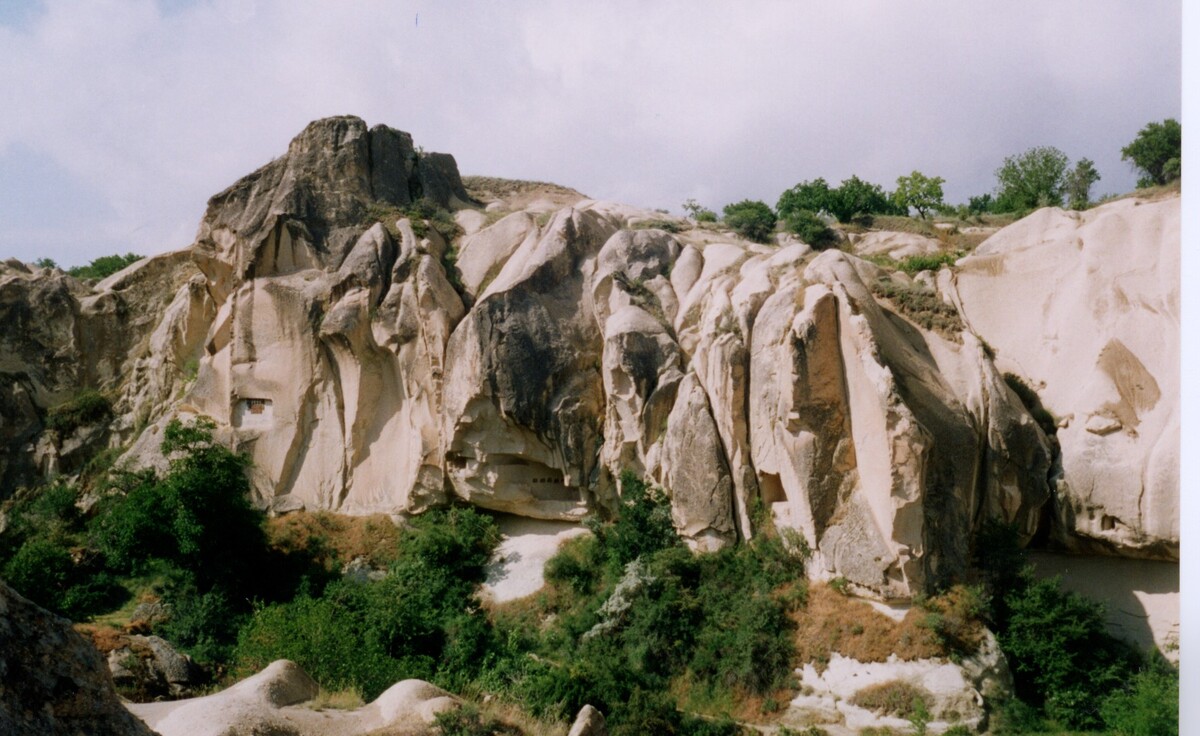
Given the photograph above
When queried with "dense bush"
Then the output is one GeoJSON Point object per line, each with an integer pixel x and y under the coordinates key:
{"type": "Point", "coordinates": [751, 219]}
{"type": "Point", "coordinates": [1157, 152]}
{"type": "Point", "coordinates": [421, 620]}
{"type": "Point", "coordinates": [43, 558]}
{"type": "Point", "coordinates": [811, 229]}
{"type": "Point", "coordinates": [813, 197]}
{"type": "Point", "coordinates": [1066, 667]}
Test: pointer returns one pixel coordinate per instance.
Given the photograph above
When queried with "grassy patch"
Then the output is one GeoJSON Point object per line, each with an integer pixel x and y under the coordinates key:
{"type": "Point", "coordinates": [670, 226]}
{"type": "Point", "coordinates": [895, 698]}
{"type": "Point", "coordinates": [922, 305]}
{"type": "Point", "coordinates": [348, 698]}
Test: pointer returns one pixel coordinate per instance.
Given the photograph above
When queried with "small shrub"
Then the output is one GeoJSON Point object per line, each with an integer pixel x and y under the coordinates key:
{"type": "Point", "coordinates": [894, 698]}
{"type": "Point", "coordinates": [751, 219]}
{"type": "Point", "coordinates": [916, 264]}
{"type": "Point", "coordinates": [841, 585]}
{"type": "Point", "coordinates": [1148, 706]}
{"type": "Point", "coordinates": [922, 305]}
{"type": "Point", "coordinates": [87, 408]}
{"type": "Point", "coordinates": [468, 721]}
{"type": "Point", "coordinates": [669, 226]}
{"type": "Point", "coordinates": [811, 229]}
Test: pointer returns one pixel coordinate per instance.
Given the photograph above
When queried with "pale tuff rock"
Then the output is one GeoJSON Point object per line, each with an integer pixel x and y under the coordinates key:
{"type": "Point", "coordinates": [1085, 308]}
{"type": "Point", "coordinates": [54, 681]}
{"type": "Point", "coordinates": [272, 701]}
{"type": "Point", "coordinates": [588, 722]}
{"type": "Point", "coordinates": [896, 245]}
{"type": "Point", "coordinates": [366, 368]}
{"type": "Point", "coordinates": [954, 692]}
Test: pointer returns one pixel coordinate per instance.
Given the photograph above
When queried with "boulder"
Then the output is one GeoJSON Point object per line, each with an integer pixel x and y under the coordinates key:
{"type": "Point", "coordinates": [588, 722]}
{"type": "Point", "coordinates": [54, 681]}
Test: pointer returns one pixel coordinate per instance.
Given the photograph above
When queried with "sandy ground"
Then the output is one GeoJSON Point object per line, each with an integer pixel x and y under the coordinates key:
{"type": "Point", "coordinates": [1142, 596]}
{"type": "Point", "coordinates": [521, 559]}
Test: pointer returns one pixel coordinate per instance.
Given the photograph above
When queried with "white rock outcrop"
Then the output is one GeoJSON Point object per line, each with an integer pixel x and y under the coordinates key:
{"type": "Point", "coordinates": [273, 702]}
{"type": "Point", "coordinates": [366, 364]}
{"type": "Point", "coordinates": [1084, 306]}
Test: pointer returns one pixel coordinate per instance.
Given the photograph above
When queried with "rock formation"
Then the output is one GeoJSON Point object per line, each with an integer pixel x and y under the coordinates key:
{"type": "Point", "coordinates": [366, 363]}
{"type": "Point", "coordinates": [1084, 306]}
{"type": "Point", "coordinates": [274, 702]}
{"type": "Point", "coordinates": [54, 681]}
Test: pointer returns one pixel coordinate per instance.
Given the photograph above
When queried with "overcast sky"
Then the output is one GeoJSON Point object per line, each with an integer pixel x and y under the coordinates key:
{"type": "Point", "coordinates": [121, 117]}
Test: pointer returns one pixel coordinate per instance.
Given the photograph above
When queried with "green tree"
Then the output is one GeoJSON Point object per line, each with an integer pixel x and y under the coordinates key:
{"type": "Point", "coordinates": [1031, 179]}
{"type": "Point", "coordinates": [920, 192]}
{"type": "Point", "coordinates": [751, 219]}
{"type": "Point", "coordinates": [858, 198]}
{"type": "Point", "coordinates": [45, 263]}
{"type": "Point", "coordinates": [1157, 152]}
{"type": "Point", "coordinates": [813, 197]}
{"type": "Point", "coordinates": [1078, 184]}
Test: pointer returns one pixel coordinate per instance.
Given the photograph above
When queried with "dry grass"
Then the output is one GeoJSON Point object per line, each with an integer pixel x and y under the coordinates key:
{"type": "Point", "coordinates": [894, 698]}
{"type": "Point", "coordinates": [336, 537]}
{"type": "Point", "coordinates": [513, 715]}
{"type": "Point", "coordinates": [104, 638]}
{"type": "Point", "coordinates": [833, 622]}
{"type": "Point", "coordinates": [348, 699]}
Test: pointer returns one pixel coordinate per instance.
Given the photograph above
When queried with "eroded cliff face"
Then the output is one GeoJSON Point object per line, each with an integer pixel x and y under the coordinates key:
{"type": "Point", "coordinates": [1085, 306]}
{"type": "Point", "coordinates": [366, 367]}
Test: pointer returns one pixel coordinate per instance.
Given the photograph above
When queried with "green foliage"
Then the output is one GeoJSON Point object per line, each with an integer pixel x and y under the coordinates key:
{"type": "Point", "coordinates": [699, 213]}
{"type": "Point", "coordinates": [1157, 152]}
{"type": "Point", "coordinates": [856, 199]}
{"type": "Point", "coordinates": [1077, 183]}
{"type": "Point", "coordinates": [1147, 706]}
{"type": "Point", "coordinates": [811, 229]}
{"type": "Point", "coordinates": [45, 263]}
{"type": "Point", "coordinates": [812, 197]}
{"type": "Point", "coordinates": [41, 556]}
{"type": "Point", "coordinates": [421, 620]}
{"type": "Point", "coordinates": [104, 266]}
{"type": "Point", "coordinates": [644, 526]}
{"type": "Point", "coordinates": [981, 204]}
{"type": "Point", "coordinates": [894, 698]}
{"type": "Point", "coordinates": [86, 408]}
{"type": "Point", "coordinates": [751, 219]}
{"type": "Point", "coordinates": [917, 264]}
{"type": "Point", "coordinates": [1061, 653]}
{"type": "Point", "coordinates": [1032, 179]}
{"type": "Point", "coordinates": [921, 193]}
{"type": "Point", "coordinates": [1063, 659]}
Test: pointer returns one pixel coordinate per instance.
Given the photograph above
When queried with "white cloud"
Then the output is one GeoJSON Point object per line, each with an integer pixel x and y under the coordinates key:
{"type": "Point", "coordinates": [156, 109]}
